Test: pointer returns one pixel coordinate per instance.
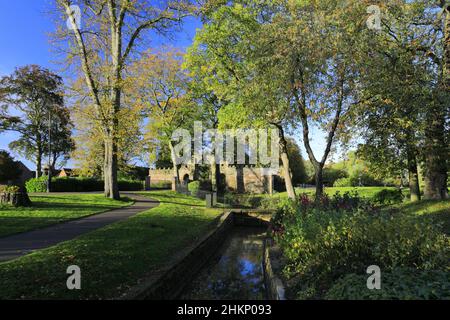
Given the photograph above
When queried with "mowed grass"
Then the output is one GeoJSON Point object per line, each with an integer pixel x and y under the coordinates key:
{"type": "Point", "coordinates": [439, 211]}
{"type": "Point", "coordinates": [113, 258]}
{"type": "Point", "coordinates": [364, 192]}
{"type": "Point", "coordinates": [52, 209]}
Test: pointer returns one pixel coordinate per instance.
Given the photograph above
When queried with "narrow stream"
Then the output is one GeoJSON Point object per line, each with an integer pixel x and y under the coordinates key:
{"type": "Point", "coordinates": [237, 271]}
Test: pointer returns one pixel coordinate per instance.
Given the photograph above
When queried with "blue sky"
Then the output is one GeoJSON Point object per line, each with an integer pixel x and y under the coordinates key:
{"type": "Point", "coordinates": [24, 29]}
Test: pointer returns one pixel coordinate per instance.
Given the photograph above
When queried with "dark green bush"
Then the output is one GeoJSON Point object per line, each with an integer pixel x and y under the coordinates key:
{"type": "Point", "coordinates": [330, 175]}
{"type": "Point", "coordinates": [400, 283]}
{"type": "Point", "coordinates": [79, 185]}
{"type": "Point", "coordinates": [131, 185]}
{"type": "Point", "coordinates": [76, 185]}
{"type": "Point", "coordinates": [388, 196]}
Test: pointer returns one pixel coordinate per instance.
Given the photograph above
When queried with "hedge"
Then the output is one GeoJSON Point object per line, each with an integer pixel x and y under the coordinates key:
{"type": "Point", "coordinates": [79, 185]}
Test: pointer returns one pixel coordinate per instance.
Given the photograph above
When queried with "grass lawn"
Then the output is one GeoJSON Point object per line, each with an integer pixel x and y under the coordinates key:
{"type": "Point", "coordinates": [51, 209]}
{"type": "Point", "coordinates": [428, 209]}
{"type": "Point", "coordinates": [364, 192]}
{"type": "Point", "coordinates": [112, 258]}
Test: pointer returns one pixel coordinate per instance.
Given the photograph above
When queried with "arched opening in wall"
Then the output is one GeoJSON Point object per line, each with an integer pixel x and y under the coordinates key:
{"type": "Point", "coordinates": [186, 179]}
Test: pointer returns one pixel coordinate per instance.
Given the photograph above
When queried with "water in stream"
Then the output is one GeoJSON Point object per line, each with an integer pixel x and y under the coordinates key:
{"type": "Point", "coordinates": [237, 272]}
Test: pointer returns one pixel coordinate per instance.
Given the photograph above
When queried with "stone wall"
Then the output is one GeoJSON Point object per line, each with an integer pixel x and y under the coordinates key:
{"type": "Point", "coordinates": [238, 178]}
{"type": "Point", "coordinates": [166, 174]}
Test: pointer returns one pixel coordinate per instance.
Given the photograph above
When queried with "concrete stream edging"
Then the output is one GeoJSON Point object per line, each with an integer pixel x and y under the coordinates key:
{"type": "Point", "coordinates": [170, 281]}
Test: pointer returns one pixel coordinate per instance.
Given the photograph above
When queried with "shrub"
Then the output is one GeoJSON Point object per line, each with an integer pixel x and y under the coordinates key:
{"type": "Point", "coordinates": [356, 179]}
{"type": "Point", "coordinates": [330, 175]}
{"type": "Point", "coordinates": [343, 182]}
{"type": "Point", "coordinates": [37, 184]}
{"type": "Point", "coordinates": [68, 184]}
{"type": "Point", "coordinates": [388, 196]}
{"type": "Point", "coordinates": [194, 187]}
{"type": "Point", "coordinates": [323, 245]}
{"type": "Point", "coordinates": [131, 185]}
{"type": "Point", "coordinates": [9, 189]}
{"type": "Point", "coordinates": [400, 283]}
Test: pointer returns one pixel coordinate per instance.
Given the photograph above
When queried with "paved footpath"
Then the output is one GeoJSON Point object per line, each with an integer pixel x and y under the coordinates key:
{"type": "Point", "coordinates": [14, 246]}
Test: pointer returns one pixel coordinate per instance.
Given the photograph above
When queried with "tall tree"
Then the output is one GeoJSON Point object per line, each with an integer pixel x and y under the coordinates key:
{"type": "Point", "coordinates": [391, 116]}
{"type": "Point", "coordinates": [433, 47]}
{"type": "Point", "coordinates": [37, 94]}
{"type": "Point", "coordinates": [104, 46]}
{"type": "Point", "coordinates": [89, 152]}
{"type": "Point", "coordinates": [227, 55]}
{"type": "Point", "coordinates": [161, 88]}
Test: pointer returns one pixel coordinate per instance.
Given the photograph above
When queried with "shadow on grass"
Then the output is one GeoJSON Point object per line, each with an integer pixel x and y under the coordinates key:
{"type": "Point", "coordinates": [116, 256]}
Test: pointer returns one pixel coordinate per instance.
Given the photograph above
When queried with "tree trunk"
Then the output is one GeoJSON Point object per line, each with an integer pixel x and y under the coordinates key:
{"type": "Point", "coordinates": [110, 169]}
{"type": "Point", "coordinates": [176, 173]}
{"type": "Point", "coordinates": [15, 199]}
{"type": "Point", "coordinates": [213, 176]}
{"type": "Point", "coordinates": [218, 178]}
{"type": "Point", "coordinates": [413, 177]}
{"type": "Point", "coordinates": [436, 153]}
{"type": "Point", "coordinates": [286, 166]}
{"type": "Point", "coordinates": [447, 47]}
{"type": "Point", "coordinates": [38, 164]}
{"type": "Point", "coordinates": [319, 181]}
{"type": "Point", "coordinates": [106, 169]}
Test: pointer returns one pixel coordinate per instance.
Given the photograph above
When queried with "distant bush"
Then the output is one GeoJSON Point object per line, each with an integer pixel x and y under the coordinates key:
{"type": "Point", "coordinates": [388, 196]}
{"type": "Point", "coordinates": [400, 283]}
{"type": "Point", "coordinates": [330, 175]}
{"type": "Point", "coordinates": [37, 184]}
{"type": "Point", "coordinates": [357, 179]}
{"type": "Point", "coordinates": [194, 187]}
{"type": "Point", "coordinates": [343, 182]}
{"type": "Point", "coordinates": [131, 185]}
{"type": "Point", "coordinates": [76, 184]}
{"type": "Point", "coordinates": [67, 184]}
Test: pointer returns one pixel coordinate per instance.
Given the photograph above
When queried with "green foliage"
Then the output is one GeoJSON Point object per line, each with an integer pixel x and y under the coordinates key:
{"type": "Point", "coordinates": [194, 188]}
{"type": "Point", "coordinates": [400, 283]}
{"type": "Point", "coordinates": [388, 196]}
{"type": "Point", "coordinates": [68, 184]}
{"type": "Point", "coordinates": [330, 175]}
{"type": "Point", "coordinates": [296, 162]}
{"type": "Point", "coordinates": [37, 184]}
{"type": "Point", "coordinates": [131, 185]}
{"type": "Point", "coordinates": [38, 94]}
{"type": "Point", "coordinates": [9, 189]}
{"type": "Point", "coordinates": [357, 178]}
{"type": "Point", "coordinates": [342, 182]}
{"type": "Point", "coordinates": [322, 246]}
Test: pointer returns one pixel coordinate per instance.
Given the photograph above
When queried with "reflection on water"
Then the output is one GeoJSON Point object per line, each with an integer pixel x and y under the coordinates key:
{"type": "Point", "coordinates": [238, 274]}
